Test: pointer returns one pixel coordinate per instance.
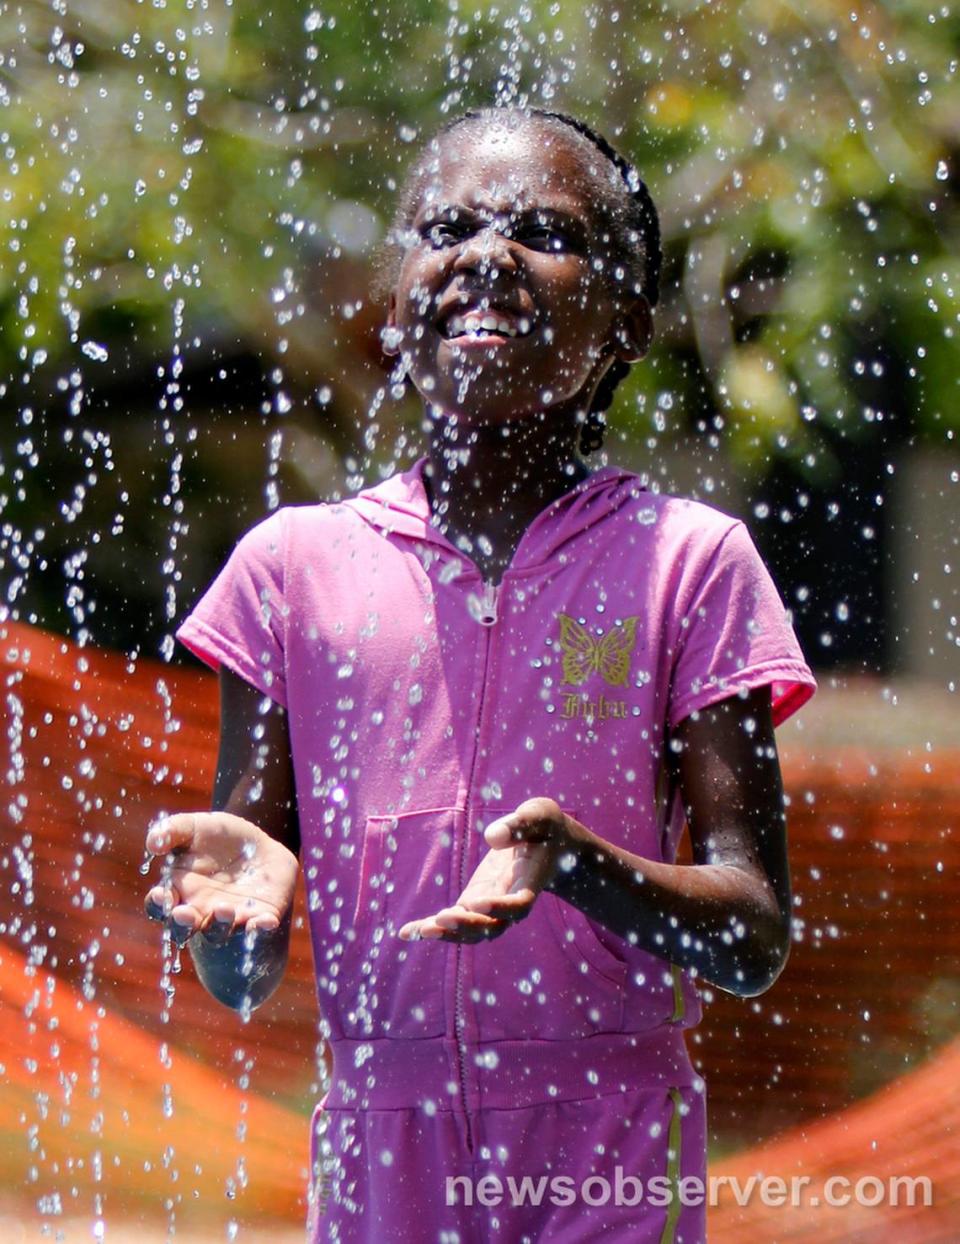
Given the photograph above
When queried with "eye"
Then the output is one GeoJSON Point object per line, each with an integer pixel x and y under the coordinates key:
{"type": "Point", "coordinates": [544, 235]}
{"type": "Point", "coordinates": [441, 233]}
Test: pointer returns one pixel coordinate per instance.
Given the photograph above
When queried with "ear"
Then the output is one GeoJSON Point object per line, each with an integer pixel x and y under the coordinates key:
{"type": "Point", "coordinates": [390, 334]}
{"type": "Point", "coordinates": [633, 331]}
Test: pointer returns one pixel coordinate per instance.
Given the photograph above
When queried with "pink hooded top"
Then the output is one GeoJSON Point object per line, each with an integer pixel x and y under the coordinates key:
{"type": "Point", "coordinates": [423, 703]}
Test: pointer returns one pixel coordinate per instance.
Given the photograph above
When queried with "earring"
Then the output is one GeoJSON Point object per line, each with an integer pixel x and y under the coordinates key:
{"type": "Point", "coordinates": [391, 338]}
{"type": "Point", "coordinates": [634, 332]}
{"type": "Point", "coordinates": [629, 350]}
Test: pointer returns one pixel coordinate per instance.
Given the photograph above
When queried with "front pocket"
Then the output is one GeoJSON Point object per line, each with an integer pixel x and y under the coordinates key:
{"type": "Point", "coordinates": [549, 976]}
{"type": "Point", "coordinates": [391, 988]}
{"type": "Point", "coordinates": [579, 935]}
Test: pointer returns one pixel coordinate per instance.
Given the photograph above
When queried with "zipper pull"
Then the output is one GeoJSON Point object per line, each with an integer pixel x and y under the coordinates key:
{"type": "Point", "coordinates": [488, 605]}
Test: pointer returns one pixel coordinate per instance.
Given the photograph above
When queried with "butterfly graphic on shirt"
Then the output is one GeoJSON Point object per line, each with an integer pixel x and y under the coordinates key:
{"type": "Point", "coordinates": [606, 654]}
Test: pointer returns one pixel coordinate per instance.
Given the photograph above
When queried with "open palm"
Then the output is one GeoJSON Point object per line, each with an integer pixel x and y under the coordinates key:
{"type": "Point", "coordinates": [221, 873]}
{"type": "Point", "coordinates": [502, 889]}
{"type": "Point", "coordinates": [508, 878]}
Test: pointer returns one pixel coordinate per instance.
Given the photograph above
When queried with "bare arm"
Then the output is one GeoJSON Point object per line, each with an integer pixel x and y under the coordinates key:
{"type": "Point", "coordinates": [232, 871]}
{"type": "Point", "coordinates": [727, 915]}
{"type": "Point", "coordinates": [254, 776]}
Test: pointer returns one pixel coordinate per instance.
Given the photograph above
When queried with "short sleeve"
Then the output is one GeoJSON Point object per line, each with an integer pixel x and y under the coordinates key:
{"type": "Point", "coordinates": [735, 634]}
{"type": "Point", "coordinates": [240, 621]}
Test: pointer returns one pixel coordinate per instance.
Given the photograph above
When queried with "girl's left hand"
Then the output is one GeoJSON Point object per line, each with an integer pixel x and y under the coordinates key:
{"type": "Point", "coordinates": [526, 850]}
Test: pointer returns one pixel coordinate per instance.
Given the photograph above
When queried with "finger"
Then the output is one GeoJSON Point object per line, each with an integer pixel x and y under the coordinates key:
{"type": "Point", "coordinates": [499, 833]}
{"type": "Point", "coordinates": [462, 919]}
{"type": "Point", "coordinates": [153, 908]}
{"type": "Point", "coordinates": [219, 926]}
{"type": "Point", "coordinates": [430, 931]}
{"type": "Point", "coordinates": [160, 901]}
{"type": "Point", "coordinates": [513, 906]}
{"type": "Point", "coordinates": [539, 809]}
{"type": "Point", "coordinates": [265, 922]}
{"type": "Point", "coordinates": [184, 922]}
{"type": "Point", "coordinates": [421, 930]}
{"type": "Point", "coordinates": [470, 934]}
{"type": "Point", "coordinates": [450, 917]}
{"type": "Point", "coordinates": [173, 833]}
{"type": "Point", "coordinates": [516, 828]}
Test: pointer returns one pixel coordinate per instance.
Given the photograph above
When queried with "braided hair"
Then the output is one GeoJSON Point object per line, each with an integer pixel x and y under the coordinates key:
{"type": "Point", "coordinates": [636, 236]}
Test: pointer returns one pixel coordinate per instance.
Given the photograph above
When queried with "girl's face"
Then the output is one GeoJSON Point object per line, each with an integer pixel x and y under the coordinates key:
{"type": "Point", "coordinates": [500, 310]}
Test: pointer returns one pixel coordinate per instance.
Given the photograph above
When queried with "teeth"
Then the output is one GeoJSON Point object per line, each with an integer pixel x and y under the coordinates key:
{"type": "Point", "coordinates": [480, 323]}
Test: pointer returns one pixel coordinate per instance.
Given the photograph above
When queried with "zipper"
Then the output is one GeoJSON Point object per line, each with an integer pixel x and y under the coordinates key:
{"type": "Point", "coordinates": [488, 617]}
{"type": "Point", "coordinates": [488, 605]}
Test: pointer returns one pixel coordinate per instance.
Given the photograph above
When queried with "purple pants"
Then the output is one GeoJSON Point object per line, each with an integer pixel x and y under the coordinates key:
{"type": "Point", "coordinates": [550, 1141]}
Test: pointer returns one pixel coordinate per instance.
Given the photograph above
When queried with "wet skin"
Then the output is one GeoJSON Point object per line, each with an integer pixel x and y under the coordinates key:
{"type": "Point", "coordinates": [507, 225]}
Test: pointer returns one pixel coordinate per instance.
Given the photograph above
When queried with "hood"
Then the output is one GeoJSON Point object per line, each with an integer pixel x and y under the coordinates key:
{"type": "Point", "coordinates": [399, 506]}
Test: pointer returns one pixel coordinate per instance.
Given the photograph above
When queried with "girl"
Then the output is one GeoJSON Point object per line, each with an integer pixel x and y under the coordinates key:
{"type": "Point", "coordinates": [479, 700]}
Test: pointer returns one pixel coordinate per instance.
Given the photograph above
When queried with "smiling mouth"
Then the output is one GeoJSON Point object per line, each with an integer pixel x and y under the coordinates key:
{"type": "Point", "coordinates": [492, 325]}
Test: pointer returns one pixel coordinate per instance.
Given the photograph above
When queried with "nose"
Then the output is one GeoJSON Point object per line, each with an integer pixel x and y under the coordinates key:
{"type": "Point", "coordinates": [486, 252]}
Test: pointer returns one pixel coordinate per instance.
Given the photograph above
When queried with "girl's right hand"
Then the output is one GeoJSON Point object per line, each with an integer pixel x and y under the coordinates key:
{"type": "Point", "coordinates": [222, 875]}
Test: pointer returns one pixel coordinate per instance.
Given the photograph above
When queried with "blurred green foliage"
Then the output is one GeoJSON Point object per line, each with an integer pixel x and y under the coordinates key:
{"type": "Point", "coordinates": [185, 171]}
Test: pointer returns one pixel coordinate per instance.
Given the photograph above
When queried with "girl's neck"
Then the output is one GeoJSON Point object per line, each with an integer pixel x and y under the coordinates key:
{"type": "Point", "coordinates": [486, 485]}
